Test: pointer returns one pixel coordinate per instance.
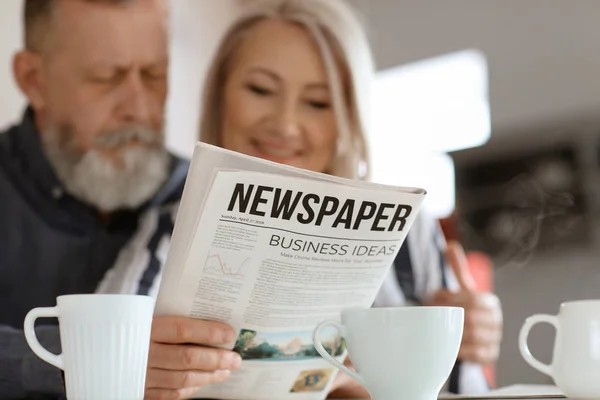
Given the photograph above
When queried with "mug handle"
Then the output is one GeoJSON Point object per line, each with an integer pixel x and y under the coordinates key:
{"type": "Point", "coordinates": [326, 356]}
{"type": "Point", "coordinates": [524, 334]}
{"type": "Point", "coordinates": [32, 340]}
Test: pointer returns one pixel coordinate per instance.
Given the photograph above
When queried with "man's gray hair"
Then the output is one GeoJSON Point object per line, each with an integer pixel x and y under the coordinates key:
{"type": "Point", "coordinates": [37, 15]}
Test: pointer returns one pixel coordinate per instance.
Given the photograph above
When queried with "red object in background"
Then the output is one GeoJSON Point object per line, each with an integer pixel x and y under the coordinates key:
{"type": "Point", "coordinates": [481, 268]}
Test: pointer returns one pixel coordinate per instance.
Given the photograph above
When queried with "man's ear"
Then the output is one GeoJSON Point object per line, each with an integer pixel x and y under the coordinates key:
{"type": "Point", "coordinates": [29, 77]}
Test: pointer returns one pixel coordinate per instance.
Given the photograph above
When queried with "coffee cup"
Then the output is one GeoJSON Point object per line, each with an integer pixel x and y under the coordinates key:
{"type": "Point", "coordinates": [575, 367]}
{"type": "Point", "coordinates": [398, 353]}
{"type": "Point", "coordinates": [105, 340]}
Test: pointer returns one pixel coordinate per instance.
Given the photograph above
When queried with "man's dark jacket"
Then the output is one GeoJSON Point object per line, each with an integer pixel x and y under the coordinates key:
{"type": "Point", "coordinates": [51, 244]}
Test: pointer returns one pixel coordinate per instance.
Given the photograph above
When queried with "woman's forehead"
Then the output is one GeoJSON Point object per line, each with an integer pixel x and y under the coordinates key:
{"type": "Point", "coordinates": [286, 49]}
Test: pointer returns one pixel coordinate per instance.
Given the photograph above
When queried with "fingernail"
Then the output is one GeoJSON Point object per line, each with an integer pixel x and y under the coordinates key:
{"type": "Point", "coordinates": [235, 360]}
{"type": "Point", "coordinates": [228, 336]}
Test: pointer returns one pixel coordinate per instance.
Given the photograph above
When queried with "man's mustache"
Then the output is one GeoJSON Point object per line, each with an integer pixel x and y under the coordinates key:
{"type": "Point", "coordinates": [115, 139]}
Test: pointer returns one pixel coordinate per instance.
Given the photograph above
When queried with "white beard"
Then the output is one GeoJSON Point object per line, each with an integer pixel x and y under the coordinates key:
{"type": "Point", "coordinates": [105, 183]}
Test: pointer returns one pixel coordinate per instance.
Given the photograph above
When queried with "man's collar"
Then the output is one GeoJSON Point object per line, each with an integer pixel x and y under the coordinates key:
{"type": "Point", "coordinates": [30, 145]}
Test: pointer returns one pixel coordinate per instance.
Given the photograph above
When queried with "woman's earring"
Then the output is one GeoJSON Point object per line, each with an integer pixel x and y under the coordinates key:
{"type": "Point", "coordinates": [362, 169]}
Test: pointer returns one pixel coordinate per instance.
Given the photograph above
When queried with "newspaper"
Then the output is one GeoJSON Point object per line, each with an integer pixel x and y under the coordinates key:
{"type": "Point", "coordinates": [273, 250]}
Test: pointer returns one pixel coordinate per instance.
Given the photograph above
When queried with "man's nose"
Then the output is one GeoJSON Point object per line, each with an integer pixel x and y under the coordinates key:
{"type": "Point", "coordinates": [135, 100]}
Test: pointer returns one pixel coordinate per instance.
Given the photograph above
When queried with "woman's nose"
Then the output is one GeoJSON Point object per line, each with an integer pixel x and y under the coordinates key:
{"type": "Point", "coordinates": [286, 122]}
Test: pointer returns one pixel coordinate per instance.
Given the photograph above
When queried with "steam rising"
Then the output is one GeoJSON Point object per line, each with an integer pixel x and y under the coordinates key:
{"type": "Point", "coordinates": [537, 208]}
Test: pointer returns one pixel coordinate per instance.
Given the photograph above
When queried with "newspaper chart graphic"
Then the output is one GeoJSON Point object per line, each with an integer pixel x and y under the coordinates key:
{"type": "Point", "coordinates": [225, 265]}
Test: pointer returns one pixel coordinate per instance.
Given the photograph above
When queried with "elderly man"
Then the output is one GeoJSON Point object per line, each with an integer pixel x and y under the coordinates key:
{"type": "Point", "coordinates": [86, 160]}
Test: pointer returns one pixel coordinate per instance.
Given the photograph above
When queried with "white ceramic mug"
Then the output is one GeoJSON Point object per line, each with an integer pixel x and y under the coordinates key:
{"type": "Point", "coordinates": [575, 366]}
{"type": "Point", "coordinates": [105, 340]}
{"type": "Point", "coordinates": [399, 353]}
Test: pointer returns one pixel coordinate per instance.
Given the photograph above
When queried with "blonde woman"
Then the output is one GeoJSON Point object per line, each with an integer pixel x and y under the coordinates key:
{"type": "Point", "coordinates": [290, 83]}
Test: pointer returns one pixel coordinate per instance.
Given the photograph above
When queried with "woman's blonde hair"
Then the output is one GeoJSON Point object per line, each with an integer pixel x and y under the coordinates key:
{"type": "Point", "coordinates": [342, 43]}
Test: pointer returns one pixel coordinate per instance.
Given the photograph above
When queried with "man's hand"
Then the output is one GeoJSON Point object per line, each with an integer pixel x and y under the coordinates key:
{"type": "Point", "coordinates": [181, 360]}
{"type": "Point", "coordinates": [483, 314]}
